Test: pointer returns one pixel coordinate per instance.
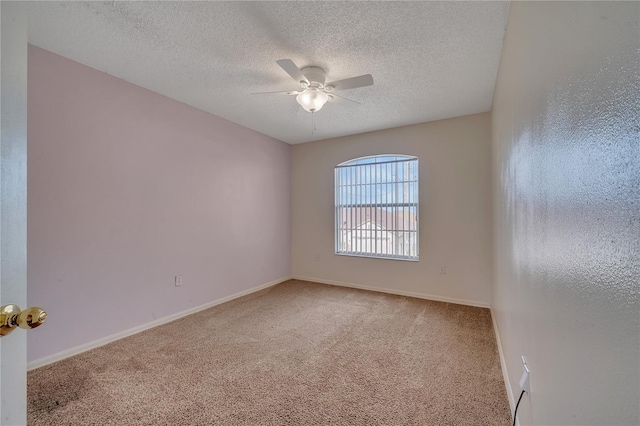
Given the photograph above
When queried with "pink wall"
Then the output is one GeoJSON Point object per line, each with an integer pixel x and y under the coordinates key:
{"type": "Point", "coordinates": [128, 188]}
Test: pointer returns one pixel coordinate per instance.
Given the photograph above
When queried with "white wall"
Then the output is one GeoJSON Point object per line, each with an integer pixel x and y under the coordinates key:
{"type": "Point", "coordinates": [566, 148]}
{"type": "Point", "coordinates": [455, 210]}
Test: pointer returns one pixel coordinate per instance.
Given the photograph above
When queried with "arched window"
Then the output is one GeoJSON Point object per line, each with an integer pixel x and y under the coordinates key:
{"type": "Point", "coordinates": [376, 207]}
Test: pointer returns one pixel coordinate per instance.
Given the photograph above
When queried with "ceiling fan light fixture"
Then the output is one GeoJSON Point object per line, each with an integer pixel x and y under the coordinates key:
{"type": "Point", "coordinates": [312, 99]}
{"type": "Point", "coordinates": [314, 93]}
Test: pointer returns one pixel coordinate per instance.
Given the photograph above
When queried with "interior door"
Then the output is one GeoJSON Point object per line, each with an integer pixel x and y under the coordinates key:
{"type": "Point", "coordinates": [13, 206]}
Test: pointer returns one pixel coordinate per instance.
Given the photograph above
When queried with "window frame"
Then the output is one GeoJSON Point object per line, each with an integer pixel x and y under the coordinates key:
{"type": "Point", "coordinates": [412, 204]}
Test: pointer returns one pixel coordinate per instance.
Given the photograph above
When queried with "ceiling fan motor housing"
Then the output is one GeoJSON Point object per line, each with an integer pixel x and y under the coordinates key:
{"type": "Point", "coordinates": [314, 75]}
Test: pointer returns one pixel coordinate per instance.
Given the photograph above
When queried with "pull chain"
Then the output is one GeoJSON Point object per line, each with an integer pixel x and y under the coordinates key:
{"type": "Point", "coordinates": [313, 123]}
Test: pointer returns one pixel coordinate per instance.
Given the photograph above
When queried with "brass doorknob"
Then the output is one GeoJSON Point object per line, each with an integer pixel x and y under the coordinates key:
{"type": "Point", "coordinates": [11, 317]}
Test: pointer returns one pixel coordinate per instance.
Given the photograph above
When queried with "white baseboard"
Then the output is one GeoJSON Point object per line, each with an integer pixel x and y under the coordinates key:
{"type": "Point", "coordinates": [108, 339]}
{"type": "Point", "coordinates": [503, 366]}
{"type": "Point", "coordinates": [394, 291]}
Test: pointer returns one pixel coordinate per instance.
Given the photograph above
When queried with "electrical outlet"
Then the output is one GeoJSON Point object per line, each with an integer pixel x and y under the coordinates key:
{"type": "Point", "coordinates": [443, 269]}
{"type": "Point", "coordinates": [178, 281]}
{"type": "Point", "coordinates": [525, 379]}
{"type": "Point", "coordinates": [317, 258]}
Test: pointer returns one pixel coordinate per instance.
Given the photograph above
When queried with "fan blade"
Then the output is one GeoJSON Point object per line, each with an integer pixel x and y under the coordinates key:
{"type": "Point", "coordinates": [293, 70]}
{"type": "Point", "coordinates": [288, 92]}
{"type": "Point", "coordinates": [346, 99]}
{"type": "Point", "coordinates": [352, 83]}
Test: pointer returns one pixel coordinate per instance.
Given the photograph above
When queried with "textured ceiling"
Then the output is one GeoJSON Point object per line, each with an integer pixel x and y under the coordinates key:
{"type": "Point", "coordinates": [429, 60]}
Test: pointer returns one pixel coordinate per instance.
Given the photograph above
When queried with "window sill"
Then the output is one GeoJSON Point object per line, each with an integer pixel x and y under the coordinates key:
{"type": "Point", "coordinates": [370, 256]}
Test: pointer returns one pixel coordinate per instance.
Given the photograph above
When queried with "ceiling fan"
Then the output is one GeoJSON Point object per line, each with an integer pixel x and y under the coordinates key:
{"type": "Point", "coordinates": [314, 93]}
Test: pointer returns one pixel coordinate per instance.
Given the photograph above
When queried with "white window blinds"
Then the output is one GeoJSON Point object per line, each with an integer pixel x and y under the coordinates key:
{"type": "Point", "coordinates": [376, 207]}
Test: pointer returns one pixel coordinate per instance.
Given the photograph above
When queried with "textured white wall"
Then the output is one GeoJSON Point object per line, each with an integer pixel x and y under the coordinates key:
{"type": "Point", "coordinates": [567, 212]}
{"type": "Point", "coordinates": [455, 210]}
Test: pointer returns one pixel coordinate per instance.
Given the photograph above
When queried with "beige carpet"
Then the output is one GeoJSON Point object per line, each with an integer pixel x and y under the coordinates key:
{"type": "Point", "coordinates": [298, 353]}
